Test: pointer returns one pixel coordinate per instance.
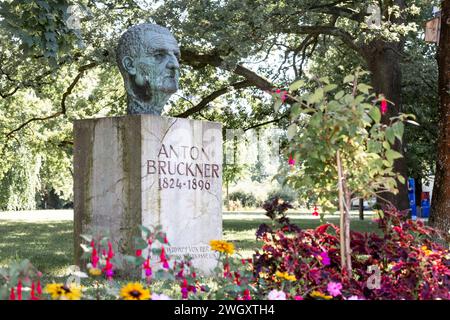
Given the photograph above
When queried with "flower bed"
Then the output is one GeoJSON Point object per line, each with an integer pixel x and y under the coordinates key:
{"type": "Point", "coordinates": [292, 263]}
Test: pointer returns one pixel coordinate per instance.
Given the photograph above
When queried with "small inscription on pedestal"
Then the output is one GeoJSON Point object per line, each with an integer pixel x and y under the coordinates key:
{"type": "Point", "coordinates": [195, 252]}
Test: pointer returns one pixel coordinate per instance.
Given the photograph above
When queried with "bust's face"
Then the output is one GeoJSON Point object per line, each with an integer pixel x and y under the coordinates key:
{"type": "Point", "coordinates": [156, 69]}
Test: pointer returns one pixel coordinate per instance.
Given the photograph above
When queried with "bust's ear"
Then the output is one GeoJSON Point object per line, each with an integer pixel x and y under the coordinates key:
{"type": "Point", "coordinates": [128, 64]}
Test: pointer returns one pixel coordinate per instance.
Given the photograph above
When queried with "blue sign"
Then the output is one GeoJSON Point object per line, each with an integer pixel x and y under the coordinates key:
{"type": "Point", "coordinates": [425, 205]}
{"type": "Point", "coordinates": [412, 197]}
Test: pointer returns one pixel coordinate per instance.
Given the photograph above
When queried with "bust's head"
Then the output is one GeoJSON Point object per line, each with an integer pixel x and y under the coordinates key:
{"type": "Point", "coordinates": [147, 55]}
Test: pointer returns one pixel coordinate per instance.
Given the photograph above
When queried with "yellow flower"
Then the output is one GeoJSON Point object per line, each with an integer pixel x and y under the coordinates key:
{"type": "Point", "coordinates": [60, 291]}
{"type": "Point", "coordinates": [134, 291]}
{"type": "Point", "coordinates": [285, 275]}
{"type": "Point", "coordinates": [320, 295]}
{"type": "Point", "coordinates": [222, 246]}
{"type": "Point", "coordinates": [95, 271]}
{"type": "Point", "coordinates": [426, 250]}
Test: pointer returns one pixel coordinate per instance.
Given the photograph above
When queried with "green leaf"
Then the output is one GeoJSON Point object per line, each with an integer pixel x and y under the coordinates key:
{"type": "Point", "coordinates": [413, 122]}
{"type": "Point", "coordinates": [296, 85]}
{"type": "Point", "coordinates": [390, 135]}
{"type": "Point", "coordinates": [329, 87]}
{"type": "Point", "coordinates": [292, 131]}
{"type": "Point", "coordinates": [364, 88]}
{"type": "Point", "coordinates": [277, 104]}
{"type": "Point", "coordinates": [86, 237]}
{"type": "Point", "coordinates": [316, 96]}
{"type": "Point", "coordinates": [349, 78]}
{"type": "Point", "coordinates": [140, 244]}
{"type": "Point", "coordinates": [401, 179]}
{"type": "Point", "coordinates": [295, 110]}
{"type": "Point", "coordinates": [85, 248]}
{"type": "Point", "coordinates": [375, 114]}
{"type": "Point", "coordinates": [146, 231]}
{"type": "Point", "coordinates": [339, 95]}
{"type": "Point", "coordinates": [398, 128]}
{"type": "Point", "coordinates": [392, 155]}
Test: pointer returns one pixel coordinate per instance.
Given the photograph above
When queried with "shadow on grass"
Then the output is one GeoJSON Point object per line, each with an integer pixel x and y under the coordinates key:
{"type": "Point", "coordinates": [49, 245]}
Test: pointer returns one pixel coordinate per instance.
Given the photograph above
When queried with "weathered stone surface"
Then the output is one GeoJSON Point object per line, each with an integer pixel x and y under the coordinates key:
{"type": "Point", "coordinates": [150, 170]}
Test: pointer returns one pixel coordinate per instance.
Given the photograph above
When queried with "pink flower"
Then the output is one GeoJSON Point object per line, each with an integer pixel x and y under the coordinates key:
{"type": "Point", "coordinates": [291, 161]}
{"type": "Point", "coordinates": [334, 288]}
{"type": "Point", "coordinates": [384, 106]}
{"type": "Point", "coordinates": [276, 295]}
{"type": "Point", "coordinates": [283, 96]}
{"type": "Point", "coordinates": [298, 298]}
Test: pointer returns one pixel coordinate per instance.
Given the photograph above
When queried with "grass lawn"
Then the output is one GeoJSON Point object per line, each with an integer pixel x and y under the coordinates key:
{"type": "Point", "coordinates": [49, 244]}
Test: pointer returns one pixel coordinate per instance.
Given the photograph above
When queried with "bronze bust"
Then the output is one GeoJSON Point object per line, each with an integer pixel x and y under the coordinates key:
{"type": "Point", "coordinates": [147, 56]}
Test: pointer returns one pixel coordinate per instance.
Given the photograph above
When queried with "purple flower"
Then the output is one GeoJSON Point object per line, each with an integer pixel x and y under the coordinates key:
{"type": "Point", "coordinates": [325, 258]}
{"type": "Point", "coordinates": [334, 288]}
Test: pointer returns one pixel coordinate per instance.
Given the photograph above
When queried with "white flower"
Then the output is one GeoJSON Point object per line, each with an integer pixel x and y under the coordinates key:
{"type": "Point", "coordinates": [354, 298]}
{"type": "Point", "coordinates": [414, 10]}
{"type": "Point", "coordinates": [161, 296]}
{"type": "Point", "coordinates": [276, 295]}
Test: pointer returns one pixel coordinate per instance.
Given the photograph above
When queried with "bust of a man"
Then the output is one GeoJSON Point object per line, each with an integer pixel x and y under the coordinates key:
{"type": "Point", "coordinates": [147, 55]}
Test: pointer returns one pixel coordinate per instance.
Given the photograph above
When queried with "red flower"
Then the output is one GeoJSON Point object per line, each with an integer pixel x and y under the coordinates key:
{"type": "Point", "coordinates": [247, 295]}
{"type": "Point", "coordinates": [138, 253]}
{"type": "Point", "coordinates": [315, 213]}
{"type": "Point", "coordinates": [12, 295]}
{"type": "Point", "coordinates": [33, 292]}
{"type": "Point", "coordinates": [110, 250]}
{"type": "Point", "coordinates": [39, 288]}
{"type": "Point", "coordinates": [384, 106]}
{"type": "Point", "coordinates": [19, 290]}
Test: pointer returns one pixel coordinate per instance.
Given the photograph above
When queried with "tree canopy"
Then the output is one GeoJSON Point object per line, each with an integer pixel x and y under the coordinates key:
{"type": "Point", "coordinates": [58, 64]}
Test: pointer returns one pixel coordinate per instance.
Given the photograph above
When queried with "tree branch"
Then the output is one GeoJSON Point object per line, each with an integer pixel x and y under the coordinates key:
{"type": "Point", "coordinates": [327, 30]}
{"type": "Point", "coordinates": [206, 100]}
{"type": "Point", "coordinates": [197, 60]}
{"type": "Point", "coordinates": [68, 91]}
{"type": "Point", "coordinates": [264, 123]}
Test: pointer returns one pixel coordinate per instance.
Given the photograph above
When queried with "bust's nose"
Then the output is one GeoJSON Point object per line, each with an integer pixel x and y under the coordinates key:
{"type": "Point", "coordinates": [173, 62]}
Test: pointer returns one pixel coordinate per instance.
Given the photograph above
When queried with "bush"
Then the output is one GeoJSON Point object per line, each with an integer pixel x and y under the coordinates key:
{"type": "Point", "coordinates": [246, 199]}
{"type": "Point", "coordinates": [285, 194]}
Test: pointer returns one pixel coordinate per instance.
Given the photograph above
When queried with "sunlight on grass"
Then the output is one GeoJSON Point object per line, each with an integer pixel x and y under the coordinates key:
{"type": "Point", "coordinates": [49, 244]}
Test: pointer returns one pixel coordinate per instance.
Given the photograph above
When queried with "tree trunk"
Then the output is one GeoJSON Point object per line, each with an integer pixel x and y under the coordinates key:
{"type": "Point", "coordinates": [228, 196]}
{"type": "Point", "coordinates": [440, 207]}
{"type": "Point", "coordinates": [361, 209]}
{"type": "Point", "coordinates": [383, 61]}
{"type": "Point", "coordinates": [344, 226]}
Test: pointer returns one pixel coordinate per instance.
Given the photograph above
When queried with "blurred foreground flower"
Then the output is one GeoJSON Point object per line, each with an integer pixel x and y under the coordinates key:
{"type": "Point", "coordinates": [222, 246]}
{"type": "Point", "coordinates": [60, 291]}
{"type": "Point", "coordinates": [134, 291]}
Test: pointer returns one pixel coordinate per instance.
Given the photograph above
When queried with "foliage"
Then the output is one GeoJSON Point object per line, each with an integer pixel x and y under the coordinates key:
{"type": "Point", "coordinates": [247, 199]}
{"type": "Point", "coordinates": [284, 193]}
{"type": "Point", "coordinates": [411, 266]}
{"type": "Point", "coordinates": [330, 120]}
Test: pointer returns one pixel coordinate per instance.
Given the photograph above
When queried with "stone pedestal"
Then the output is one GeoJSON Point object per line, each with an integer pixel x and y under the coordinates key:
{"type": "Point", "coordinates": [149, 170]}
